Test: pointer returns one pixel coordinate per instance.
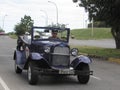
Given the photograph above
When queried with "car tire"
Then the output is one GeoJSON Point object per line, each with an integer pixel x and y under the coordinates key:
{"type": "Point", "coordinates": [83, 79]}
{"type": "Point", "coordinates": [32, 75]}
{"type": "Point", "coordinates": [17, 69]}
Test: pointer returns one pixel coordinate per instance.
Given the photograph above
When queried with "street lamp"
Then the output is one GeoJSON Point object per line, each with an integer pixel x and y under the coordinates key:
{"type": "Point", "coordinates": [46, 16]}
{"type": "Point", "coordinates": [3, 21]}
{"type": "Point", "coordinates": [56, 10]}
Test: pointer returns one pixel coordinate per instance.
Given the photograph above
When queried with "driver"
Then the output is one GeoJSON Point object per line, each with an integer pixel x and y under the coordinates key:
{"type": "Point", "coordinates": [54, 35]}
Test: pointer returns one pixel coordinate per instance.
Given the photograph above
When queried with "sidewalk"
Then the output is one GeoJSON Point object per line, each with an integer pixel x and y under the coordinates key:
{"type": "Point", "coordinates": [104, 43]}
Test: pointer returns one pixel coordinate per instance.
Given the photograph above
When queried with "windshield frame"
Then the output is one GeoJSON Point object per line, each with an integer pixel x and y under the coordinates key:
{"type": "Point", "coordinates": [50, 28]}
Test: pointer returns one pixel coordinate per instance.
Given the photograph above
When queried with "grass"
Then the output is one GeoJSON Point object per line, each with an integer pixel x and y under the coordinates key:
{"type": "Point", "coordinates": [101, 52]}
{"type": "Point", "coordinates": [13, 36]}
{"type": "Point", "coordinates": [98, 33]}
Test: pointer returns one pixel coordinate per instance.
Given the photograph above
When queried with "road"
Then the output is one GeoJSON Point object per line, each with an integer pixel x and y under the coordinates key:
{"type": "Point", "coordinates": [105, 43]}
{"type": "Point", "coordinates": [106, 74]}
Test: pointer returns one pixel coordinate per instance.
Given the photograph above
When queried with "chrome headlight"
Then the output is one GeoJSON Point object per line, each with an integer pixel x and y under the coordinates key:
{"type": "Point", "coordinates": [74, 51]}
{"type": "Point", "coordinates": [47, 49]}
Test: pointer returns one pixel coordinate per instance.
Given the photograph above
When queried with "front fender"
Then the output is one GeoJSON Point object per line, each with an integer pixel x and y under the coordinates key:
{"type": "Point", "coordinates": [80, 59]}
{"type": "Point", "coordinates": [38, 59]}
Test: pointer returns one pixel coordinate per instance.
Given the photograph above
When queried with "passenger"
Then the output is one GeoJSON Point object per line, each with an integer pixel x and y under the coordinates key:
{"type": "Point", "coordinates": [36, 35]}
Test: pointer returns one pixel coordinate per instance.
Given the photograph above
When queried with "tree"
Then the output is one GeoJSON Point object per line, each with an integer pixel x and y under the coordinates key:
{"type": "Point", "coordinates": [1, 30]}
{"type": "Point", "coordinates": [98, 24]}
{"type": "Point", "coordinates": [58, 25]}
{"type": "Point", "coordinates": [107, 11]}
{"type": "Point", "coordinates": [24, 26]}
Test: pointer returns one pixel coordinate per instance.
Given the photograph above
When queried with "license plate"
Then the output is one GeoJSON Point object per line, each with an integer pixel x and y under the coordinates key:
{"type": "Point", "coordinates": [66, 71]}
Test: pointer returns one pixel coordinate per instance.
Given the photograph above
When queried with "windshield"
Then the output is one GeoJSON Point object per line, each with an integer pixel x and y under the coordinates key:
{"type": "Point", "coordinates": [54, 34]}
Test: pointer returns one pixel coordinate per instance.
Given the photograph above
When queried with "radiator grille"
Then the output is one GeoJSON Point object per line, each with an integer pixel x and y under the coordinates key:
{"type": "Point", "coordinates": [61, 56]}
{"type": "Point", "coordinates": [62, 50]}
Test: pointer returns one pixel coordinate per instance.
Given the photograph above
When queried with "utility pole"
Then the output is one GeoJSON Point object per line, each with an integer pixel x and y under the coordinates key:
{"type": "Point", "coordinates": [92, 32]}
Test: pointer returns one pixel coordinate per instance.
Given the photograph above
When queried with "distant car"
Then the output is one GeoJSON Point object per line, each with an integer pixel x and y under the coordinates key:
{"type": "Point", "coordinates": [2, 33]}
{"type": "Point", "coordinates": [40, 55]}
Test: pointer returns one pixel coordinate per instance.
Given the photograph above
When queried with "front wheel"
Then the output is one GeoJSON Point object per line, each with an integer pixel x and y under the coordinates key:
{"type": "Point", "coordinates": [32, 75]}
{"type": "Point", "coordinates": [83, 79]}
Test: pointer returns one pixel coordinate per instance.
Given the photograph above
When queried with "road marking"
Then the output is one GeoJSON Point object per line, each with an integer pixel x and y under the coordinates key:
{"type": "Point", "coordinates": [4, 85]}
{"type": "Point", "coordinates": [96, 77]}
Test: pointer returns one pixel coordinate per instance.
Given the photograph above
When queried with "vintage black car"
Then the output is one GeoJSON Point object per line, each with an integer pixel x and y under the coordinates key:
{"type": "Point", "coordinates": [40, 54]}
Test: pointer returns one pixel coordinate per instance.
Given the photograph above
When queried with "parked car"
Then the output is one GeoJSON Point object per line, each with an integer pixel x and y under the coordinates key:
{"type": "Point", "coordinates": [41, 55]}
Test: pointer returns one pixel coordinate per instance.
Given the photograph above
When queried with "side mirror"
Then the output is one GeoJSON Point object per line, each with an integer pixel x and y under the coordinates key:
{"type": "Point", "coordinates": [74, 52]}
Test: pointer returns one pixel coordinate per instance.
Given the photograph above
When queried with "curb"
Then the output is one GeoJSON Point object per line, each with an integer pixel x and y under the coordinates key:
{"type": "Point", "coordinates": [110, 59]}
{"type": "Point", "coordinates": [116, 60]}
{"type": "Point", "coordinates": [95, 56]}
{"type": "Point", "coordinates": [99, 57]}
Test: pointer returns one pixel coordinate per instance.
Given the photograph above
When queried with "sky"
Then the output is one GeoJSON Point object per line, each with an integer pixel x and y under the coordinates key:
{"type": "Point", "coordinates": [11, 12]}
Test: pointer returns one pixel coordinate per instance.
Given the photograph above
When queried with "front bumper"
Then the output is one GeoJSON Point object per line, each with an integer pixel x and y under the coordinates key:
{"type": "Point", "coordinates": [62, 72]}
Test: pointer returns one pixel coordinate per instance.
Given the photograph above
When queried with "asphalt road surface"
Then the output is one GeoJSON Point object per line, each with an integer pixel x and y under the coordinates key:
{"type": "Point", "coordinates": [106, 74]}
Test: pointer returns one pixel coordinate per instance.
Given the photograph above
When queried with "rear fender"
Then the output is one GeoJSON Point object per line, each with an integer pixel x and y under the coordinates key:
{"type": "Point", "coordinates": [14, 56]}
{"type": "Point", "coordinates": [19, 56]}
{"type": "Point", "coordinates": [80, 59]}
